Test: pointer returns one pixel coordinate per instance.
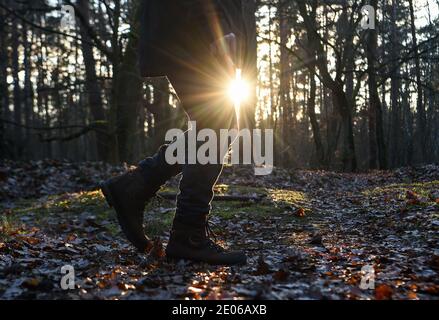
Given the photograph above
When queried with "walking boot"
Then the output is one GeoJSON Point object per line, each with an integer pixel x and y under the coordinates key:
{"type": "Point", "coordinates": [194, 243]}
{"type": "Point", "coordinates": [128, 195]}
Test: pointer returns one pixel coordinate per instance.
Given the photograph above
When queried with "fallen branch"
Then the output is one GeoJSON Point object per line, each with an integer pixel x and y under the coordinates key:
{"type": "Point", "coordinates": [94, 126]}
{"type": "Point", "coordinates": [173, 196]}
{"type": "Point", "coordinates": [61, 127]}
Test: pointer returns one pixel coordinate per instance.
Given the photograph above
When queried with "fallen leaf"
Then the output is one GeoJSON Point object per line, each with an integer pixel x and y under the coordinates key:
{"type": "Point", "coordinates": [431, 289]}
{"type": "Point", "coordinates": [383, 292]}
{"type": "Point", "coordinates": [411, 195]}
{"type": "Point", "coordinates": [281, 275]}
{"type": "Point", "coordinates": [262, 268]}
{"type": "Point", "coordinates": [102, 284]}
{"type": "Point", "coordinates": [157, 251]}
{"type": "Point", "coordinates": [300, 212]}
{"type": "Point", "coordinates": [38, 284]}
{"type": "Point", "coordinates": [412, 295]}
{"type": "Point", "coordinates": [30, 240]}
{"type": "Point", "coordinates": [34, 282]}
{"type": "Point", "coordinates": [194, 290]}
{"type": "Point", "coordinates": [125, 286]}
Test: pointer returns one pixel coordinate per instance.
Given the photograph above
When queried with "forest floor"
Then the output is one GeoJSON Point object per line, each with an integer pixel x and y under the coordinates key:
{"type": "Point", "coordinates": [308, 234]}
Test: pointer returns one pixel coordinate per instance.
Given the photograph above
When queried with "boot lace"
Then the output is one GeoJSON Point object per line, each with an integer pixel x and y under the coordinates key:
{"type": "Point", "coordinates": [212, 243]}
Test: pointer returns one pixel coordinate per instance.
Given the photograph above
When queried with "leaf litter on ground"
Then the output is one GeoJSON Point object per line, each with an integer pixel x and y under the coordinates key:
{"type": "Point", "coordinates": [308, 237]}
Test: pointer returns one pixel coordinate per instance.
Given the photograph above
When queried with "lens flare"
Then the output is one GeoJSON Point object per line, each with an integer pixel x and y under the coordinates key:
{"type": "Point", "coordinates": [239, 89]}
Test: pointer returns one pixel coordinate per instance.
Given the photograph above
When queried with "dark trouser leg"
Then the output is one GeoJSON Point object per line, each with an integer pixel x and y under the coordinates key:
{"type": "Point", "coordinates": [196, 184]}
{"type": "Point", "coordinates": [207, 104]}
{"type": "Point", "coordinates": [156, 171]}
{"type": "Point", "coordinates": [190, 236]}
{"type": "Point", "coordinates": [200, 82]}
{"type": "Point", "coordinates": [196, 193]}
{"type": "Point", "coordinates": [198, 180]}
{"type": "Point", "coordinates": [204, 98]}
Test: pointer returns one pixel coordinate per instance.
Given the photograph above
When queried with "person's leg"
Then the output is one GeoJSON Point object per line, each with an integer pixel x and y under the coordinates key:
{"type": "Point", "coordinates": [198, 180]}
{"type": "Point", "coordinates": [156, 171]}
{"type": "Point", "coordinates": [209, 107]}
{"type": "Point", "coordinates": [129, 193]}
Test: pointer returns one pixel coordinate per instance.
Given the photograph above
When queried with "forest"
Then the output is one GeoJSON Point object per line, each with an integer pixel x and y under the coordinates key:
{"type": "Point", "coordinates": [353, 101]}
{"type": "Point", "coordinates": [338, 97]}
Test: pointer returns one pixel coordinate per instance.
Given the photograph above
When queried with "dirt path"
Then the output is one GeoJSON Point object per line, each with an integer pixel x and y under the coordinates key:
{"type": "Point", "coordinates": [308, 238]}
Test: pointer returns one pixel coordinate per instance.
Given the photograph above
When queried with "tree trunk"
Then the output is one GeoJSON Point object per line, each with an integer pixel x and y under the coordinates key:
{"type": "Point", "coordinates": [27, 92]}
{"type": "Point", "coordinates": [92, 86]}
{"type": "Point", "coordinates": [284, 85]}
{"type": "Point", "coordinates": [4, 92]}
{"type": "Point", "coordinates": [115, 98]}
{"type": "Point", "coordinates": [129, 95]}
{"type": "Point", "coordinates": [314, 123]}
{"type": "Point", "coordinates": [250, 67]}
{"type": "Point", "coordinates": [395, 140]}
{"type": "Point", "coordinates": [377, 152]}
{"type": "Point", "coordinates": [18, 132]}
{"type": "Point", "coordinates": [421, 118]}
{"type": "Point", "coordinates": [342, 104]}
{"type": "Point", "coordinates": [340, 99]}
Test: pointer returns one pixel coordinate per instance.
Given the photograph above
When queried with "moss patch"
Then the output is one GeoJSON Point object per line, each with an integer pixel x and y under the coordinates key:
{"type": "Point", "coordinates": [422, 189]}
{"type": "Point", "coordinates": [158, 213]}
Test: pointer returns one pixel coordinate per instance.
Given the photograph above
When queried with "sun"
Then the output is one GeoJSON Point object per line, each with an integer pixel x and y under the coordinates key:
{"type": "Point", "coordinates": [238, 89]}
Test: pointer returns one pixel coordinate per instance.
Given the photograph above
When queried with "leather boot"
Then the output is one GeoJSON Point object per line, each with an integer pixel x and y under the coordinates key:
{"type": "Point", "coordinates": [128, 195]}
{"type": "Point", "coordinates": [193, 242]}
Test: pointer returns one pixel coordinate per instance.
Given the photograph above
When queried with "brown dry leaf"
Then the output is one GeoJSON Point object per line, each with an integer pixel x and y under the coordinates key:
{"type": "Point", "coordinates": [262, 267]}
{"type": "Point", "coordinates": [383, 292]}
{"type": "Point", "coordinates": [123, 286]}
{"type": "Point", "coordinates": [102, 284]}
{"type": "Point", "coordinates": [281, 275]}
{"type": "Point", "coordinates": [300, 212]}
{"type": "Point", "coordinates": [433, 289]}
{"type": "Point", "coordinates": [410, 195]}
{"type": "Point", "coordinates": [413, 287]}
{"type": "Point", "coordinates": [30, 240]}
{"type": "Point", "coordinates": [71, 237]}
{"type": "Point", "coordinates": [32, 283]}
{"type": "Point", "coordinates": [194, 290]}
{"type": "Point", "coordinates": [412, 295]}
{"type": "Point", "coordinates": [354, 280]}
{"type": "Point", "coordinates": [157, 251]}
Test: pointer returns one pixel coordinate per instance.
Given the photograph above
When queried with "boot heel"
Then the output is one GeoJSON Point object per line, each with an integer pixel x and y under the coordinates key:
{"type": "Point", "coordinates": [107, 195]}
